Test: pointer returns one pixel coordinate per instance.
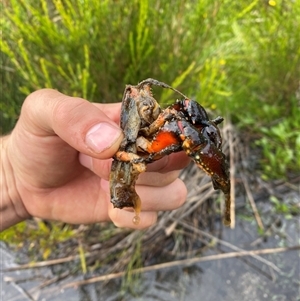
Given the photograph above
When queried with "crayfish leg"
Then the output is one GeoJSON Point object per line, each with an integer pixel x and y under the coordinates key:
{"type": "Point", "coordinates": [227, 218]}
{"type": "Point", "coordinates": [126, 156]}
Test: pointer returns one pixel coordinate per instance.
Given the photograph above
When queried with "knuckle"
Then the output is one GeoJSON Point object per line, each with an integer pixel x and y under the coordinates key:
{"type": "Point", "coordinates": [68, 111]}
{"type": "Point", "coordinates": [35, 99]}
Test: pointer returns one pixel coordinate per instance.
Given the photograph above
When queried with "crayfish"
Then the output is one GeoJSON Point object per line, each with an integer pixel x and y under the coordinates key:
{"type": "Point", "coordinates": [151, 132]}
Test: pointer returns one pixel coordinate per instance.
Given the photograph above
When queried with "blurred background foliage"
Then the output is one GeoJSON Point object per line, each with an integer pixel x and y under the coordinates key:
{"type": "Point", "coordinates": [241, 59]}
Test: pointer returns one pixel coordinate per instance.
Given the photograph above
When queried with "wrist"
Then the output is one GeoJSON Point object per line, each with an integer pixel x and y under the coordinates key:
{"type": "Point", "coordinates": [12, 210]}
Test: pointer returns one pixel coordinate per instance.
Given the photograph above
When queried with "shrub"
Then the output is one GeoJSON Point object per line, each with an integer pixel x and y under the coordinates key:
{"type": "Point", "coordinates": [241, 58]}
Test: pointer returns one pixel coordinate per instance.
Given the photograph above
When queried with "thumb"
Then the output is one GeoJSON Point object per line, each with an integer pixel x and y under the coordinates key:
{"type": "Point", "coordinates": [78, 122]}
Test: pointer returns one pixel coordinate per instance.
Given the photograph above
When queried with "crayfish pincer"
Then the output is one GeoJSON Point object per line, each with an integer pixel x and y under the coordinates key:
{"type": "Point", "coordinates": [151, 132]}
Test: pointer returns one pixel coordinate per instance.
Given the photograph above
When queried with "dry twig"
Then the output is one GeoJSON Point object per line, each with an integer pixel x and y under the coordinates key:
{"type": "Point", "coordinates": [232, 176]}
{"type": "Point", "coordinates": [233, 247]}
{"type": "Point", "coordinates": [252, 203]}
{"type": "Point", "coordinates": [44, 263]}
{"type": "Point", "coordinates": [184, 262]}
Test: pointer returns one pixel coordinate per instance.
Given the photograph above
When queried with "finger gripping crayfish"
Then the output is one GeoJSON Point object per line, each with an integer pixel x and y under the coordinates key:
{"type": "Point", "coordinates": [151, 133]}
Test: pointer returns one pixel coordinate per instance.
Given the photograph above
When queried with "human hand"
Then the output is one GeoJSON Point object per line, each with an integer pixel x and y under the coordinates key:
{"type": "Point", "coordinates": [56, 165]}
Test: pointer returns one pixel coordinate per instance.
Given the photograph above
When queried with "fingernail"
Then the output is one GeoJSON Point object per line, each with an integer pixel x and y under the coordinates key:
{"type": "Point", "coordinates": [101, 136]}
{"type": "Point", "coordinates": [86, 161]}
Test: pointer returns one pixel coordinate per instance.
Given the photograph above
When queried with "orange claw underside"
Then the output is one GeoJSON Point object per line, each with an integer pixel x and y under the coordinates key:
{"type": "Point", "coordinates": [162, 140]}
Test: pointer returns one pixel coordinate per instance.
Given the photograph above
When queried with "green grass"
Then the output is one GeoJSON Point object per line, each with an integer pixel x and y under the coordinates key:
{"type": "Point", "coordinates": [39, 239]}
{"type": "Point", "coordinates": [239, 58]}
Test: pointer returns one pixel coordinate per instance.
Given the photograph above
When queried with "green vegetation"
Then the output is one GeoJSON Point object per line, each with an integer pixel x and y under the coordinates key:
{"type": "Point", "coordinates": [280, 143]}
{"type": "Point", "coordinates": [240, 58]}
{"type": "Point", "coordinates": [287, 208]}
{"type": "Point", "coordinates": [37, 236]}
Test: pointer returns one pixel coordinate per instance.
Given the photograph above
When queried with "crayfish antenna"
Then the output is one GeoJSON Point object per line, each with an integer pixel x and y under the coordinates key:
{"type": "Point", "coordinates": [151, 81]}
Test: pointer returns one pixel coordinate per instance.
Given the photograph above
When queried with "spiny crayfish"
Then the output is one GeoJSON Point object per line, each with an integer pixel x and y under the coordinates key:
{"type": "Point", "coordinates": [151, 133]}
